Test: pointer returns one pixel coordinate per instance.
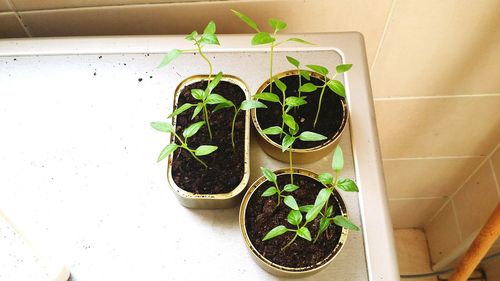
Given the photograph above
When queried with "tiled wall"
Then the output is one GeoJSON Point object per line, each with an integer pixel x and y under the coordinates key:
{"type": "Point", "coordinates": [434, 65]}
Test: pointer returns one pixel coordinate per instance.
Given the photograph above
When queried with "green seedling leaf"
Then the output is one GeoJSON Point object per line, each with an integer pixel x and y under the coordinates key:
{"type": "Point", "coordinates": [277, 231]}
{"type": "Point", "coordinates": [168, 58]}
{"type": "Point", "coordinates": [197, 110]}
{"type": "Point", "coordinates": [295, 101]}
{"type": "Point", "coordinates": [345, 223]}
{"type": "Point", "coordinates": [267, 97]}
{"type": "Point", "coordinates": [308, 87]}
{"type": "Point", "coordinates": [290, 187]}
{"type": "Point", "coordinates": [306, 74]}
{"type": "Point", "coordinates": [294, 217]}
{"type": "Point", "coordinates": [289, 121]}
{"type": "Point", "coordinates": [347, 185]}
{"type": "Point", "coordinates": [303, 232]}
{"type": "Point", "coordinates": [275, 130]}
{"type": "Point", "coordinates": [326, 178]}
{"type": "Point", "coordinates": [166, 151]}
{"type": "Point", "coordinates": [198, 94]}
{"type": "Point", "coordinates": [294, 131]}
{"type": "Point", "coordinates": [305, 208]}
{"type": "Point", "coordinates": [322, 197]}
{"type": "Point", "coordinates": [313, 213]}
{"type": "Point", "coordinates": [210, 39]}
{"type": "Point", "coordinates": [163, 127]}
{"type": "Point", "coordinates": [343, 68]}
{"type": "Point", "coordinates": [249, 104]}
{"type": "Point", "coordinates": [298, 40]}
{"type": "Point", "coordinates": [276, 24]}
{"type": "Point", "coordinates": [210, 28]}
{"type": "Point", "coordinates": [287, 142]}
{"type": "Point", "coordinates": [329, 211]}
{"type": "Point", "coordinates": [211, 86]}
{"type": "Point", "coordinates": [269, 192]}
{"type": "Point", "coordinates": [293, 61]}
{"type": "Point", "coordinates": [246, 19]}
{"type": "Point", "coordinates": [216, 99]}
{"type": "Point", "coordinates": [270, 176]}
{"type": "Point", "coordinates": [324, 223]}
{"type": "Point", "coordinates": [290, 202]}
{"type": "Point", "coordinates": [319, 69]}
{"type": "Point", "coordinates": [205, 150]}
{"type": "Point", "coordinates": [181, 109]}
{"type": "Point", "coordinates": [280, 85]}
{"type": "Point", "coordinates": [262, 38]}
{"type": "Point", "coordinates": [192, 36]}
{"type": "Point", "coordinates": [222, 105]}
{"type": "Point", "coordinates": [337, 87]}
{"type": "Point", "coordinates": [192, 129]}
{"type": "Point", "coordinates": [311, 136]}
{"type": "Point", "coordinates": [338, 159]}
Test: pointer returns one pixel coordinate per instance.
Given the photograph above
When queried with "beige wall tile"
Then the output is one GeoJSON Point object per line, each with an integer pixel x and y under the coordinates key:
{"type": "Point", "coordinates": [440, 48]}
{"type": "Point", "coordinates": [10, 26]}
{"type": "Point", "coordinates": [442, 233]}
{"type": "Point", "coordinates": [438, 126]}
{"type": "Point", "coordinates": [302, 16]}
{"type": "Point", "coordinates": [412, 252]}
{"type": "Point", "coordinates": [495, 162]}
{"type": "Point", "coordinates": [413, 213]}
{"type": "Point", "coordinates": [4, 6]}
{"type": "Point", "coordinates": [26, 5]}
{"type": "Point", "coordinates": [427, 177]}
{"type": "Point", "coordinates": [476, 201]}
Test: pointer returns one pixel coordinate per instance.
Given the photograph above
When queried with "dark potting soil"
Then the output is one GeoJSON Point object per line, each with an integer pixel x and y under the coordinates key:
{"type": "Point", "coordinates": [262, 216]}
{"type": "Point", "coordinates": [225, 165]}
{"type": "Point", "coordinates": [330, 116]}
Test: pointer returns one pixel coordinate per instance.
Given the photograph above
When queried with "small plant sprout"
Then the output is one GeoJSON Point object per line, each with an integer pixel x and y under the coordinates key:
{"type": "Point", "coordinates": [263, 38]}
{"type": "Point", "coordinates": [302, 73]}
{"type": "Point", "coordinates": [204, 97]}
{"type": "Point", "coordinates": [294, 218]}
{"type": "Point", "coordinates": [335, 85]}
{"type": "Point", "coordinates": [289, 200]}
{"type": "Point", "coordinates": [190, 131]}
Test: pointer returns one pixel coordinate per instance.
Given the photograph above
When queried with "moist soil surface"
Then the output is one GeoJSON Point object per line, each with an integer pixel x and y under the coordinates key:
{"type": "Point", "coordinates": [262, 216]}
{"type": "Point", "coordinates": [225, 165]}
{"type": "Point", "coordinates": [330, 116]}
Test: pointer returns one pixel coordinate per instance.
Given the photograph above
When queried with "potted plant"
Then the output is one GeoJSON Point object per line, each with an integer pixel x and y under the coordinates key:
{"type": "Point", "coordinates": [323, 107]}
{"type": "Point", "coordinates": [296, 229]}
{"type": "Point", "coordinates": [208, 153]}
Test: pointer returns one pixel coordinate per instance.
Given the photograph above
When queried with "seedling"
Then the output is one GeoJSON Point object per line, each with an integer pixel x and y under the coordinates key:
{"type": "Point", "coordinates": [335, 85]}
{"type": "Point", "coordinates": [301, 73]}
{"type": "Point", "coordinates": [264, 38]}
{"type": "Point", "coordinates": [190, 131]}
{"type": "Point", "coordinates": [289, 200]}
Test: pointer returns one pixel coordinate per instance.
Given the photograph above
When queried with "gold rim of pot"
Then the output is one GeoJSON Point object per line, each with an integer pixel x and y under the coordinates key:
{"type": "Point", "coordinates": [300, 154]}
{"type": "Point", "coordinates": [219, 200]}
{"type": "Point", "coordinates": [270, 266]}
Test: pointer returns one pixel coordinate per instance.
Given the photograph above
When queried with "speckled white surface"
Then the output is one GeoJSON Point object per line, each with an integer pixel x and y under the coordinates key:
{"type": "Point", "coordinates": [78, 171]}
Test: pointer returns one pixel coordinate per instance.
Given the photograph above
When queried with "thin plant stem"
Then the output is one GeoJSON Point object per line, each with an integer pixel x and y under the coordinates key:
{"type": "Point", "coordinates": [319, 105]}
{"type": "Point", "coordinates": [271, 67]}
{"type": "Point", "coordinates": [291, 165]}
{"type": "Point", "coordinates": [206, 59]}
{"type": "Point", "coordinates": [317, 236]}
{"type": "Point", "coordinates": [196, 157]}
{"type": "Point", "coordinates": [205, 111]}
{"type": "Point", "coordinates": [291, 241]}
{"type": "Point", "coordinates": [236, 111]}
{"type": "Point", "coordinates": [279, 194]}
{"type": "Point", "coordinates": [300, 81]}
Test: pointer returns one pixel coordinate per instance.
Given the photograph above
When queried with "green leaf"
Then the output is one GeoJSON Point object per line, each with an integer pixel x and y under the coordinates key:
{"type": "Point", "coordinates": [338, 159]}
{"type": "Point", "coordinates": [277, 231]}
{"type": "Point", "coordinates": [280, 85]}
{"type": "Point", "coordinates": [324, 223]}
{"type": "Point", "coordinates": [168, 58]}
{"type": "Point", "coordinates": [270, 176]}
{"type": "Point", "coordinates": [216, 99]}
{"type": "Point", "coordinates": [294, 217]}
{"type": "Point", "coordinates": [192, 36]}
{"type": "Point", "coordinates": [290, 187]}
{"type": "Point", "coordinates": [166, 151]}
{"type": "Point", "coordinates": [210, 39]}
{"type": "Point", "coordinates": [198, 94]}
{"type": "Point", "coordinates": [293, 61]}
{"type": "Point", "coordinates": [294, 131]}
{"type": "Point", "coordinates": [262, 38]}
{"type": "Point", "coordinates": [313, 212]}
{"type": "Point", "coordinates": [287, 142]}
{"type": "Point", "coordinates": [249, 104]}
{"type": "Point", "coordinates": [319, 69]}
{"type": "Point", "coordinates": [163, 127]}
{"type": "Point", "coordinates": [306, 74]}
{"type": "Point", "coordinates": [343, 68]}
{"type": "Point", "coordinates": [305, 208]}
{"type": "Point", "coordinates": [345, 223]}
{"type": "Point", "coordinates": [181, 109]}
{"type": "Point", "coordinates": [192, 129]}
{"type": "Point", "coordinates": [197, 110]}
{"type": "Point", "coordinates": [210, 28]}
{"type": "Point", "coordinates": [276, 24]}
{"type": "Point", "coordinates": [274, 130]}
{"type": "Point", "coordinates": [322, 197]}
{"type": "Point", "coordinates": [205, 150]}
{"type": "Point", "coordinates": [298, 40]}
{"type": "Point", "coordinates": [267, 97]}
{"type": "Point", "coordinates": [308, 87]}
{"type": "Point", "coordinates": [326, 178]}
{"type": "Point", "coordinates": [329, 211]}
{"type": "Point", "coordinates": [347, 185]}
{"type": "Point", "coordinates": [290, 202]}
{"type": "Point", "coordinates": [295, 101]}
{"type": "Point", "coordinates": [246, 19]}
{"type": "Point", "coordinates": [211, 86]}
{"type": "Point", "coordinates": [222, 105]}
{"type": "Point", "coordinates": [289, 121]}
{"type": "Point", "coordinates": [337, 87]}
{"type": "Point", "coordinates": [269, 192]}
{"type": "Point", "coordinates": [311, 136]}
{"type": "Point", "coordinates": [304, 233]}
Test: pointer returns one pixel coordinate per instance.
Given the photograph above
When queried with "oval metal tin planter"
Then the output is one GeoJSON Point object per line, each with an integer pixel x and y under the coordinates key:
{"type": "Point", "coordinates": [277, 269]}
{"type": "Point", "coordinates": [220, 200]}
{"type": "Point", "coordinates": [300, 155]}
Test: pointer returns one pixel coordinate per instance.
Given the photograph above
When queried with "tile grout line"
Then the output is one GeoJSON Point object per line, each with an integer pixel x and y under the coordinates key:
{"type": "Point", "coordinates": [382, 37]}
{"type": "Point", "coordinates": [437, 97]}
{"type": "Point", "coordinates": [19, 19]}
{"type": "Point", "coordinates": [433, 158]}
{"type": "Point", "coordinates": [416, 198]}
{"type": "Point", "coordinates": [456, 220]}
{"type": "Point", "coordinates": [495, 177]}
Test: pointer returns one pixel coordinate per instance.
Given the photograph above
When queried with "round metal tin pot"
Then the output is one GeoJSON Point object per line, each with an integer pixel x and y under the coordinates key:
{"type": "Point", "coordinates": [277, 269]}
{"type": "Point", "coordinates": [212, 201]}
{"type": "Point", "coordinates": [300, 155]}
